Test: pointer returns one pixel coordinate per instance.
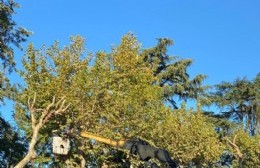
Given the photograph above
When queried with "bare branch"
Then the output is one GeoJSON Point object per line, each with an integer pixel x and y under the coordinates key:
{"type": "Point", "coordinates": [53, 108]}
{"type": "Point", "coordinates": [66, 108]}
{"type": "Point", "coordinates": [229, 141]}
{"type": "Point", "coordinates": [47, 118]}
{"type": "Point", "coordinates": [29, 104]}
{"type": "Point", "coordinates": [47, 111]}
{"type": "Point", "coordinates": [52, 104]}
{"type": "Point", "coordinates": [59, 108]}
{"type": "Point", "coordinates": [234, 140]}
{"type": "Point", "coordinates": [34, 98]}
{"type": "Point", "coordinates": [33, 120]}
{"type": "Point", "coordinates": [235, 147]}
{"type": "Point", "coordinates": [61, 100]}
{"type": "Point", "coordinates": [62, 104]}
{"type": "Point", "coordinates": [32, 110]}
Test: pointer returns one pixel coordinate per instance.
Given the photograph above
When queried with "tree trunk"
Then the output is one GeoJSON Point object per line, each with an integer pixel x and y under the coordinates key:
{"type": "Point", "coordinates": [31, 154]}
{"type": "Point", "coordinates": [47, 113]}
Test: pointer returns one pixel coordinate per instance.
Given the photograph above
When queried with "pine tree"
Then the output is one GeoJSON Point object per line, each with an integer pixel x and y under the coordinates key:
{"type": "Point", "coordinates": [172, 73]}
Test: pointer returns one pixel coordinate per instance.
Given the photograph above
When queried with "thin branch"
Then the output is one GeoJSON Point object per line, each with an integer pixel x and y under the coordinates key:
{"type": "Point", "coordinates": [234, 140]}
{"type": "Point", "coordinates": [53, 108]}
{"type": "Point", "coordinates": [32, 110]}
{"type": "Point", "coordinates": [47, 117]}
{"type": "Point", "coordinates": [52, 104]}
{"type": "Point", "coordinates": [34, 98]}
{"type": "Point", "coordinates": [94, 104]}
{"type": "Point", "coordinates": [46, 111]}
{"type": "Point", "coordinates": [29, 104]}
{"type": "Point", "coordinates": [61, 100]}
{"type": "Point", "coordinates": [60, 105]}
{"type": "Point", "coordinates": [234, 146]}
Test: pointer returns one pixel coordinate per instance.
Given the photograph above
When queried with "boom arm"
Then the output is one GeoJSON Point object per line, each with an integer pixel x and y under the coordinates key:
{"type": "Point", "coordinates": [107, 141]}
{"type": "Point", "coordinates": [137, 147]}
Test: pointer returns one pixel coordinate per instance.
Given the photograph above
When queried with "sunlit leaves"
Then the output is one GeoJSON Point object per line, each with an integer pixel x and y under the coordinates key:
{"type": "Point", "coordinates": [116, 95]}
{"type": "Point", "coordinates": [249, 147]}
{"type": "Point", "coordinates": [189, 137]}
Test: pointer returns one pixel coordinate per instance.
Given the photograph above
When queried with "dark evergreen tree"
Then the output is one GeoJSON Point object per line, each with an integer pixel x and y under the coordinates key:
{"type": "Point", "coordinates": [12, 146]}
{"type": "Point", "coordinates": [240, 102]}
{"type": "Point", "coordinates": [10, 33]}
{"type": "Point", "coordinates": [172, 73]}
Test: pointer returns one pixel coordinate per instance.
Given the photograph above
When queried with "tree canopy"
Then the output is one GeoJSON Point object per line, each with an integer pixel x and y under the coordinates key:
{"type": "Point", "coordinates": [172, 74]}
{"type": "Point", "coordinates": [115, 95]}
{"type": "Point", "coordinates": [123, 94]}
{"type": "Point", "coordinates": [10, 33]}
{"type": "Point", "coordinates": [239, 101]}
{"type": "Point", "coordinates": [12, 146]}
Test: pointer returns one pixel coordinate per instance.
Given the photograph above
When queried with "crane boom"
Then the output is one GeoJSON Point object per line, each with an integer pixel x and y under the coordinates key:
{"type": "Point", "coordinates": [107, 141]}
{"type": "Point", "coordinates": [138, 147]}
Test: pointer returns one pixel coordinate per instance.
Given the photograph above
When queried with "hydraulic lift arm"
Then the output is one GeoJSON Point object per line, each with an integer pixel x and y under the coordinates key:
{"type": "Point", "coordinates": [107, 141]}
{"type": "Point", "coordinates": [137, 147]}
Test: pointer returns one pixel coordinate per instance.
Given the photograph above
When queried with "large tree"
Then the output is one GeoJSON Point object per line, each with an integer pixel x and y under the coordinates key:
{"type": "Point", "coordinates": [114, 95]}
{"type": "Point", "coordinates": [172, 74]}
{"type": "Point", "coordinates": [239, 101]}
{"type": "Point", "coordinates": [12, 145]}
{"type": "Point", "coordinates": [190, 138]}
{"type": "Point", "coordinates": [238, 120]}
{"type": "Point", "coordinates": [48, 76]}
{"type": "Point", "coordinates": [10, 33]}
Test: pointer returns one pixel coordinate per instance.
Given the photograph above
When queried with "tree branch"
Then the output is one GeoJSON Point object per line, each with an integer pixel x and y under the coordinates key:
{"type": "Point", "coordinates": [235, 147]}
{"type": "Point", "coordinates": [47, 110]}
{"type": "Point", "coordinates": [32, 110]}
{"type": "Point", "coordinates": [53, 108]}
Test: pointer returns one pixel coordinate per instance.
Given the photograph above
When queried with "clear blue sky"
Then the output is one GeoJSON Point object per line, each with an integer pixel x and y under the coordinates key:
{"type": "Point", "coordinates": [221, 36]}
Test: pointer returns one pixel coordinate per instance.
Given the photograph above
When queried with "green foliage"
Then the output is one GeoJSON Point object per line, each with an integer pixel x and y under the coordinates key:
{"type": "Point", "coordinates": [6, 89]}
{"type": "Point", "coordinates": [172, 73]}
{"type": "Point", "coordinates": [239, 119]}
{"type": "Point", "coordinates": [124, 96]}
{"type": "Point", "coordinates": [240, 99]}
{"type": "Point", "coordinates": [249, 147]}
{"type": "Point", "coordinates": [49, 72]}
{"type": "Point", "coordinates": [223, 126]}
{"type": "Point", "coordinates": [118, 95]}
{"type": "Point", "coordinates": [10, 33]}
{"type": "Point", "coordinates": [113, 97]}
{"type": "Point", "coordinates": [12, 146]}
{"type": "Point", "coordinates": [189, 138]}
{"type": "Point", "coordinates": [120, 100]}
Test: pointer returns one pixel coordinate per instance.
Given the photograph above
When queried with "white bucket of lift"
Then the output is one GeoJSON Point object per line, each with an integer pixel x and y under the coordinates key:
{"type": "Point", "coordinates": [60, 146]}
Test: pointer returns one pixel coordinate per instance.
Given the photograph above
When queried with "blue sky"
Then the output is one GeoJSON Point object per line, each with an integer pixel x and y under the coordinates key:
{"type": "Point", "coordinates": [221, 36]}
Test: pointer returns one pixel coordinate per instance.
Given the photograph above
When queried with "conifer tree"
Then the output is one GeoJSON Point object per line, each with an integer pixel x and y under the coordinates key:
{"type": "Point", "coordinates": [172, 73]}
{"type": "Point", "coordinates": [240, 102]}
